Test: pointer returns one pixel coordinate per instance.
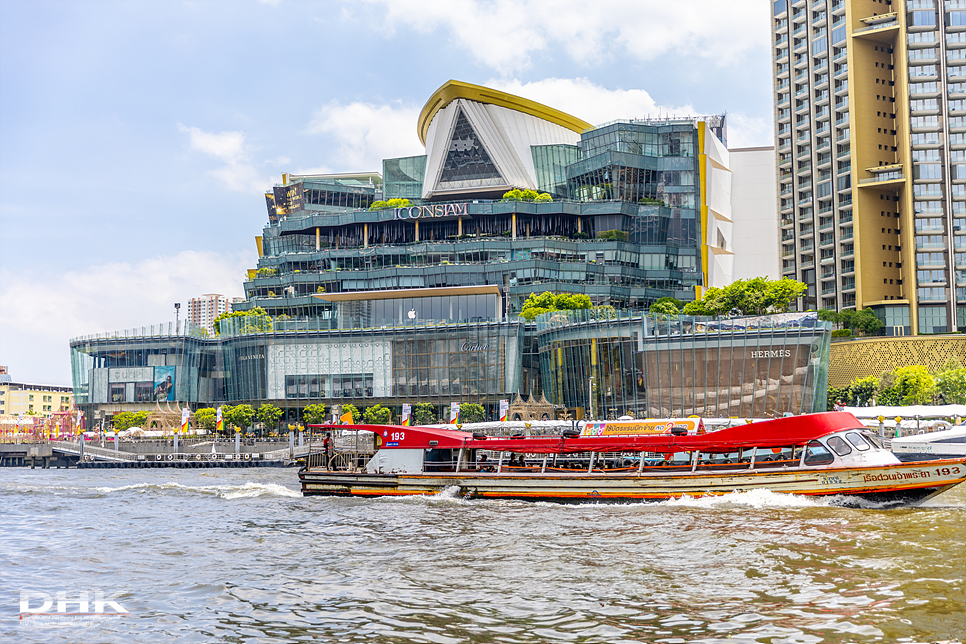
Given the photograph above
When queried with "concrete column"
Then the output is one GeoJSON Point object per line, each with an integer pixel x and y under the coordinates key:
{"type": "Point", "coordinates": [365, 235]}
{"type": "Point", "coordinates": [318, 239]}
{"type": "Point", "coordinates": [528, 230]}
{"type": "Point", "coordinates": [417, 230]}
{"type": "Point", "coordinates": [514, 226]}
{"type": "Point", "coordinates": [459, 225]}
{"type": "Point", "coordinates": [578, 225]}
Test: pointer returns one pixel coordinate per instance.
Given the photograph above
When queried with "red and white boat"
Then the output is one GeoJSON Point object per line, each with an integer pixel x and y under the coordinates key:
{"type": "Point", "coordinates": [828, 454]}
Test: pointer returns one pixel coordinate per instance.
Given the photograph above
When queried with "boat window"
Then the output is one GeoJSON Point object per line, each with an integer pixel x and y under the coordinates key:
{"type": "Point", "coordinates": [817, 454]}
{"type": "Point", "coordinates": [839, 446]}
{"type": "Point", "coordinates": [856, 439]}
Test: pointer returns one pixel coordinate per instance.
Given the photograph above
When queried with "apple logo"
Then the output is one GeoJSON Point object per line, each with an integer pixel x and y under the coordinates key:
{"type": "Point", "coordinates": [412, 314]}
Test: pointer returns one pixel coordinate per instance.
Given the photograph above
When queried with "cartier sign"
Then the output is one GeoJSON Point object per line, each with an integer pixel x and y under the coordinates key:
{"type": "Point", "coordinates": [438, 210]}
{"type": "Point", "coordinates": [467, 347]}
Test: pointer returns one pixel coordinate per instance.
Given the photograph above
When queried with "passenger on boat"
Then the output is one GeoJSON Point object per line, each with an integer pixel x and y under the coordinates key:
{"type": "Point", "coordinates": [483, 465]}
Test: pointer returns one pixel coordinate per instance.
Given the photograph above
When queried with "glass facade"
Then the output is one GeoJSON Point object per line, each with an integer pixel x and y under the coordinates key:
{"type": "Point", "coordinates": [619, 363]}
{"type": "Point", "coordinates": [467, 163]}
{"type": "Point", "coordinates": [550, 163]}
{"type": "Point", "coordinates": [403, 177]}
{"type": "Point", "coordinates": [602, 363]}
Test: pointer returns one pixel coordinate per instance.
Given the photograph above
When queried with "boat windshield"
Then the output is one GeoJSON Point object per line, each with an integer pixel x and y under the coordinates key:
{"type": "Point", "coordinates": [857, 441]}
{"type": "Point", "coordinates": [872, 438]}
{"type": "Point", "coordinates": [839, 446]}
{"type": "Point", "coordinates": [817, 454]}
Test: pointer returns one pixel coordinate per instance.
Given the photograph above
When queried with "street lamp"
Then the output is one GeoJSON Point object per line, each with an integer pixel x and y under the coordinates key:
{"type": "Point", "coordinates": [177, 307]}
{"type": "Point", "coordinates": [590, 397]}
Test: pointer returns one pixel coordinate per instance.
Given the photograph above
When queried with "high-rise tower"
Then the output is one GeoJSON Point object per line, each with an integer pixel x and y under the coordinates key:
{"type": "Point", "coordinates": [870, 113]}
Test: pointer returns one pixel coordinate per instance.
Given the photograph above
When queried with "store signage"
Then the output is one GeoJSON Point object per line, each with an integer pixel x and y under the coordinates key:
{"type": "Point", "coordinates": [257, 356]}
{"type": "Point", "coordinates": [466, 347]}
{"type": "Point", "coordinates": [781, 353]}
{"type": "Point", "coordinates": [438, 210]}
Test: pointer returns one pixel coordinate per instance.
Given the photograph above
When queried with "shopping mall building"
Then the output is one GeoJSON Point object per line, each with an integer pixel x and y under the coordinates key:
{"type": "Point", "coordinates": [420, 303]}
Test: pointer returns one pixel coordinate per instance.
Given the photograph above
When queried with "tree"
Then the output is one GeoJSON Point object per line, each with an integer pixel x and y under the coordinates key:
{"type": "Point", "coordinates": [392, 203]}
{"type": "Point", "coordinates": [378, 415]}
{"type": "Point", "coordinates": [424, 414]}
{"type": "Point", "coordinates": [314, 414]}
{"type": "Point", "coordinates": [696, 307]}
{"type": "Point", "coordinates": [836, 394]}
{"type": "Point", "coordinates": [912, 385]}
{"type": "Point", "coordinates": [863, 391]}
{"type": "Point", "coordinates": [829, 315]}
{"type": "Point", "coordinates": [545, 302]}
{"type": "Point", "coordinates": [526, 195]}
{"type": "Point", "coordinates": [756, 296]}
{"type": "Point", "coordinates": [241, 416]}
{"type": "Point", "coordinates": [666, 306]}
{"type": "Point", "coordinates": [255, 320]}
{"type": "Point", "coordinates": [472, 413]}
{"type": "Point", "coordinates": [864, 321]}
{"type": "Point", "coordinates": [206, 418]}
{"type": "Point", "coordinates": [951, 384]}
{"type": "Point", "coordinates": [349, 407]}
{"type": "Point", "coordinates": [269, 414]}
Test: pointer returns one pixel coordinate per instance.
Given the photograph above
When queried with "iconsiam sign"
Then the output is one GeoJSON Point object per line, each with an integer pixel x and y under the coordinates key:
{"type": "Point", "coordinates": [437, 210]}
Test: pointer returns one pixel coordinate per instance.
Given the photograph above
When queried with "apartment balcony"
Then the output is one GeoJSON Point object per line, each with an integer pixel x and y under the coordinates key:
{"type": "Point", "coordinates": [882, 175]}
{"type": "Point", "coordinates": [807, 263]}
{"type": "Point", "coordinates": [828, 225]}
{"type": "Point", "coordinates": [829, 290]}
{"type": "Point", "coordinates": [881, 28]}
{"type": "Point", "coordinates": [842, 70]}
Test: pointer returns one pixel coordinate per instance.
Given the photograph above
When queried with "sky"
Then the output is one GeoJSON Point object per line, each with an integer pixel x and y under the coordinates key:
{"type": "Point", "coordinates": [137, 138]}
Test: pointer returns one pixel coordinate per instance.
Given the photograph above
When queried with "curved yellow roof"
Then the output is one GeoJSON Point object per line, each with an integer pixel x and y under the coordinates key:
{"type": "Point", "coordinates": [453, 89]}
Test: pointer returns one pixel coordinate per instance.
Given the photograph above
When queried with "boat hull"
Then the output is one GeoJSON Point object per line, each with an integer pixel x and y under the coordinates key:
{"type": "Point", "coordinates": [906, 483]}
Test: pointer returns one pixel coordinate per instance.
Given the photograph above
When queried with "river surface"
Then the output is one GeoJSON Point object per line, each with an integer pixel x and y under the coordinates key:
{"type": "Point", "coordinates": [239, 556]}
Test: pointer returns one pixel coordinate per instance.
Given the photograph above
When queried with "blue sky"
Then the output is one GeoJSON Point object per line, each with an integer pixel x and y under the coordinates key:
{"type": "Point", "coordinates": [136, 138]}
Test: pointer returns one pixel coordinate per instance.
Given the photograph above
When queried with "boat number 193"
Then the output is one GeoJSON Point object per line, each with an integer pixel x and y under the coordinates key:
{"type": "Point", "coordinates": [397, 436]}
{"type": "Point", "coordinates": [946, 471]}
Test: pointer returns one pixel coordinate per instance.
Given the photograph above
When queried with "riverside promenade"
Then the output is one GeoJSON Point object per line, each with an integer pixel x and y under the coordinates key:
{"type": "Point", "coordinates": [151, 453]}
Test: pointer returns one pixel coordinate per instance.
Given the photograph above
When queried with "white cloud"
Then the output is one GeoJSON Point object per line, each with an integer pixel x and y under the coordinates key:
{"type": "Point", "coordinates": [717, 30]}
{"type": "Point", "coordinates": [40, 314]}
{"type": "Point", "coordinates": [588, 101]}
{"type": "Point", "coordinates": [748, 132]}
{"type": "Point", "coordinates": [366, 134]}
{"type": "Point", "coordinates": [227, 146]}
{"type": "Point", "coordinates": [230, 147]}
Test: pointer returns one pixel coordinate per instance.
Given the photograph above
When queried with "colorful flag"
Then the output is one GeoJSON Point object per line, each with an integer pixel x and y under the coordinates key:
{"type": "Point", "coordinates": [454, 413]}
{"type": "Point", "coordinates": [406, 411]}
{"type": "Point", "coordinates": [184, 420]}
{"type": "Point", "coordinates": [504, 410]}
{"type": "Point", "coordinates": [347, 417]}
{"type": "Point", "coordinates": [219, 423]}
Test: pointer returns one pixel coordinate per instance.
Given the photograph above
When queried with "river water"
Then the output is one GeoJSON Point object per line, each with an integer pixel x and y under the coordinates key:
{"type": "Point", "coordinates": [240, 556]}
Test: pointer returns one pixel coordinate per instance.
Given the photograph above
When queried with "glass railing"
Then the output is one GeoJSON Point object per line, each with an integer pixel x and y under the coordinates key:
{"type": "Point", "coordinates": [882, 177]}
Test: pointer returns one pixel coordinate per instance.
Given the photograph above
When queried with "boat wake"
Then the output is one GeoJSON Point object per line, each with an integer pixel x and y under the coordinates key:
{"type": "Point", "coordinates": [244, 491]}
{"type": "Point", "coordinates": [758, 499]}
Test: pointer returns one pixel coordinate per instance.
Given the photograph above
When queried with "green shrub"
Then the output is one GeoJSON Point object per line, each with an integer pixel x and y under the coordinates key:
{"type": "Point", "coordinates": [842, 333]}
{"type": "Point", "coordinates": [472, 413]}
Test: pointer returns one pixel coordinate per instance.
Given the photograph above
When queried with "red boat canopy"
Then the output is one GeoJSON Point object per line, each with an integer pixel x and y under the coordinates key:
{"type": "Point", "coordinates": [781, 432]}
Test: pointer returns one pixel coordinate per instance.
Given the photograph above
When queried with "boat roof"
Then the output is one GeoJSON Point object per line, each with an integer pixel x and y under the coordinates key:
{"type": "Point", "coordinates": [780, 432]}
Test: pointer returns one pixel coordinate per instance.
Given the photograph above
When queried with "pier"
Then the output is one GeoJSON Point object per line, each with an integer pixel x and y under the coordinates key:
{"type": "Point", "coordinates": [150, 454]}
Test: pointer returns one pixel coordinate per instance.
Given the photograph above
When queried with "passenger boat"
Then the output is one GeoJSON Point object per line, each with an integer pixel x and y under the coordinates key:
{"type": "Point", "coordinates": [929, 446]}
{"type": "Point", "coordinates": [828, 454]}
